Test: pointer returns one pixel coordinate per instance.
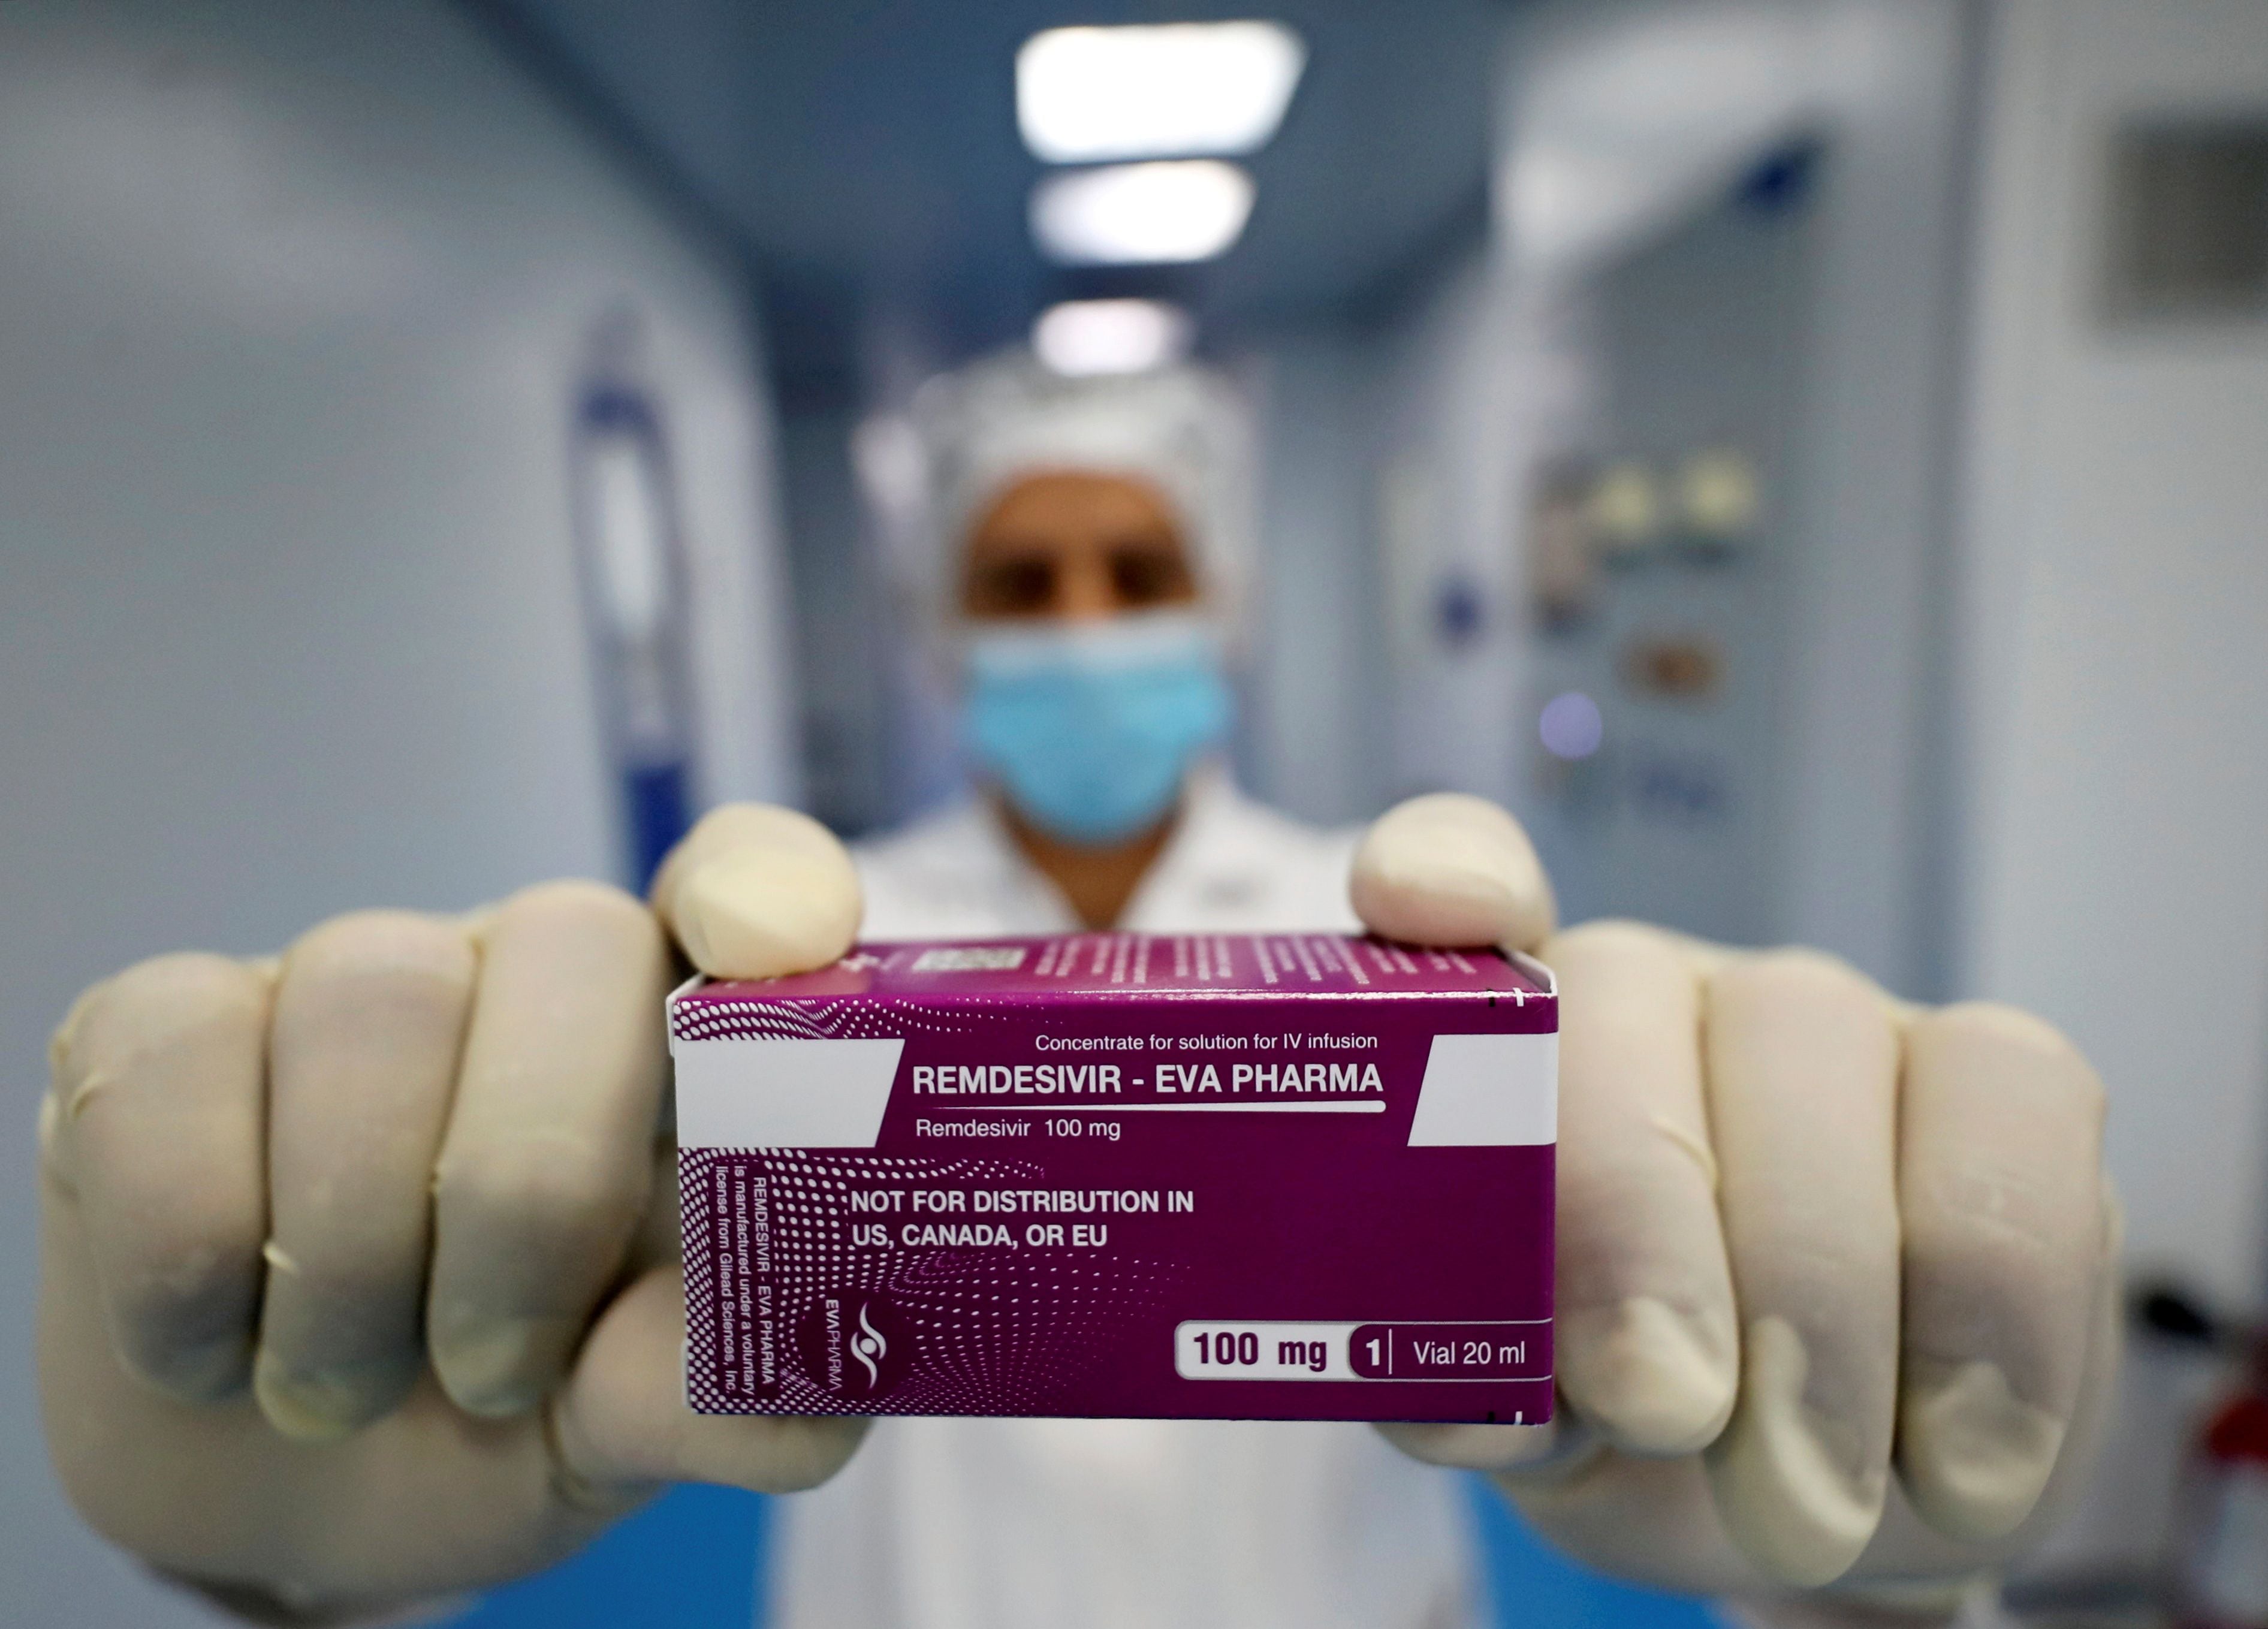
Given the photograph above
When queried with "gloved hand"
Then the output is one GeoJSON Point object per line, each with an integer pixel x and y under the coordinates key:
{"type": "Point", "coordinates": [359, 1281]}
{"type": "Point", "coordinates": [1835, 1299]}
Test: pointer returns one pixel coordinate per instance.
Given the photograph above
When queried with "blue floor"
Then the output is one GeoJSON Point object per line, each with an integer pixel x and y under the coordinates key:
{"type": "Point", "coordinates": [687, 1561]}
{"type": "Point", "coordinates": [691, 1561]}
{"type": "Point", "coordinates": [1534, 1589]}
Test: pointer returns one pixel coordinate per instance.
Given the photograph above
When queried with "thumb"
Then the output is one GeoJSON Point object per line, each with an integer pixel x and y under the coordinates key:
{"type": "Point", "coordinates": [621, 1423]}
{"type": "Point", "coordinates": [755, 891]}
{"type": "Point", "coordinates": [1451, 869]}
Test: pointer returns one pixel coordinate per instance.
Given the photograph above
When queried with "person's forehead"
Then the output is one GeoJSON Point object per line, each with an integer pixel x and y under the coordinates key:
{"type": "Point", "coordinates": [1070, 499]}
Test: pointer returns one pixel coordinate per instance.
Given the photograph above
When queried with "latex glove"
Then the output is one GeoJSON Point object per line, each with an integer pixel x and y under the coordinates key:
{"type": "Point", "coordinates": [1833, 1273]}
{"type": "Point", "coordinates": [359, 1280]}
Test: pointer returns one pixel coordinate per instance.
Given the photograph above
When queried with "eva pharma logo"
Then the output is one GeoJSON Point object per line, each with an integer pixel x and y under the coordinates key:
{"type": "Point", "coordinates": [869, 1347]}
{"type": "Point", "coordinates": [853, 1345]}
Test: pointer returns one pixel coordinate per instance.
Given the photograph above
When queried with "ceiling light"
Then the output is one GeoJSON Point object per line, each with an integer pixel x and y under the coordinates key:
{"type": "Point", "coordinates": [1141, 214]}
{"type": "Point", "coordinates": [1081, 336]}
{"type": "Point", "coordinates": [1155, 91]}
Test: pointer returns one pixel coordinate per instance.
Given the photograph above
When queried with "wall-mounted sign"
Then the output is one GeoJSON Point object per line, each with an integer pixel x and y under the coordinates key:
{"type": "Point", "coordinates": [1672, 667]}
{"type": "Point", "coordinates": [633, 572]}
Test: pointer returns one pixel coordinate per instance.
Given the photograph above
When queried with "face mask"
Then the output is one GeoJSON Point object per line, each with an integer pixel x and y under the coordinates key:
{"type": "Point", "coordinates": [1091, 728]}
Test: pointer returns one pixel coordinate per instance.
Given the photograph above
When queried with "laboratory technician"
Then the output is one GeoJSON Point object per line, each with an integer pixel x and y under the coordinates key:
{"type": "Point", "coordinates": [359, 1285]}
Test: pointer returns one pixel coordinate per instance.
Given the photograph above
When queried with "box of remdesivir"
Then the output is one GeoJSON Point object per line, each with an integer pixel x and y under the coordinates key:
{"type": "Point", "coordinates": [1275, 1176]}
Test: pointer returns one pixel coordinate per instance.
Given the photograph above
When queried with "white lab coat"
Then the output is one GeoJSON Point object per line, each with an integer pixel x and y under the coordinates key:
{"type": "Point", "coordinates": [1026, 1524]}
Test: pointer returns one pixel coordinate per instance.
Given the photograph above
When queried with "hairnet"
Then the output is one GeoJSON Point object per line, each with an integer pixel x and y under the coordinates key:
{"type": "Point", "coordinates": [1181, 429]}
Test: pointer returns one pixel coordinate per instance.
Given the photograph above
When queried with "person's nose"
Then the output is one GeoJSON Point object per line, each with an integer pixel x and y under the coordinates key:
{"type": "Point", "coordinates": [1087, 592]}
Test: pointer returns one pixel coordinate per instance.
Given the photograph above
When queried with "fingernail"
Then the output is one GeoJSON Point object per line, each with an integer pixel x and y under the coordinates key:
{"type": "Point", "coordinates": [1656, 1380]}
{"type": "Point", "coordinates": [763, 913]}
{"type": "Point", "coordinates": [320, 1407]}
{"type": "Point", "coordinates": [197, 1373]}
{"type": "Point", "coordinates": [1453, 855]}
{"type": "Point", "coordinates": [1797, 1493]}
{"type": "Point", "coordinates": [503, 1365]}
{"type": "Point", "coordinates": [1449, 898]}
{"type": "Point", "coordinates": [1451, 869]}
{"type": "Point", "coordinates": [1975, 1456]}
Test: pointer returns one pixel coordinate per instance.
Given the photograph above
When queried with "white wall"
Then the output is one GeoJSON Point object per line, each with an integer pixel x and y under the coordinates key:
{"type": "Point", "coordinates": [1476, 383]}
{"type": "Point", "coordinates": [1620, 123]}
{"type": "Point", "coordinates": [2115, 599]}
{"type": "Point", "coordinates": [294, 297]}
{"type": "Point", "coordinates": [1310, 678]}
{"type": "Point", "coordinates": [1391, 460]}
{"type": "Point", "coordinates": [1872, 478]}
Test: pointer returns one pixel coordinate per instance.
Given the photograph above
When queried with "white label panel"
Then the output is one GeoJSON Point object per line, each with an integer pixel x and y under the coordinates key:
{"type": "Point", "coordinates": [1489, 1091]}
{"type": "Point", "coordinates": [739, 1094]}
{"type": "Point", "coordinates": [1238, 1349]}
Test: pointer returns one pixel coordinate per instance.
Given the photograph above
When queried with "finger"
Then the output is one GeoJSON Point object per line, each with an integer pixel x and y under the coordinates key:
{"type": "Point", "coordinates": [425, 1502]}
{"type": "Point", "coordinates": [756, 891]}
{"type": "Point", "coordinates": [1803, 1061]}
{"type": "Point", "coordinates": [1449, 869]}
{"type": "Point", "coordinates": [370, 1015]}
{"type": "Point", "coordinates": [157, 1121]}
{"type": "Point", "coordinates": [622, 1419]}
{"type": "Point", "coordinates": [1646, 1343]}
{"type": "Point", "coordinates": [546, 1161]}
{"type": "Point", "coordinates": [1654, 1521]}
{"type": "Point", "coordinates": [1999, 1184]}
{"type": "Point", "coordinates": [1909, 1548]}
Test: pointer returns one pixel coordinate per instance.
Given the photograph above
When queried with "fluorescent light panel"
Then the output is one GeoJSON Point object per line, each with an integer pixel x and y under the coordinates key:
{"type": "Point", "coordinates": [1087, 336]}
{"type": "Point", "coordinates": [1161, 91]}
{"type": "Point", "coordinates": [1141, 214]}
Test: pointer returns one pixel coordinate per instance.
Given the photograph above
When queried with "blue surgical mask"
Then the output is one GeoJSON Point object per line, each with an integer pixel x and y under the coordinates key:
{"type": "Point", "coordinates": [1091, 727]}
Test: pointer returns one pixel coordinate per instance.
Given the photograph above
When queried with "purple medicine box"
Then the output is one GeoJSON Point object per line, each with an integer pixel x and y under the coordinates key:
{"type": "Point", "coordinates": [1273, 1176]}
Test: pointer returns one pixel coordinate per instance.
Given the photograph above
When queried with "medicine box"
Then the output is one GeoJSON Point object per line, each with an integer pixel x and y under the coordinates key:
{"type": "Point", "coordinates": [1283, 1177]}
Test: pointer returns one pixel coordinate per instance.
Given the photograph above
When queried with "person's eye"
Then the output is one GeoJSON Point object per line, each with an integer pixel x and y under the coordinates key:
{"type": "Point", "coordinates": [1017, 587]}
{"type": "Point", "coordinates": [1143, 575]}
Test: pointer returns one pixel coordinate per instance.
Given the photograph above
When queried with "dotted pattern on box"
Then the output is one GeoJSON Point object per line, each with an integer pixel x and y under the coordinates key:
{"type": "Point", "coordinates": [862, 1019]}
{"type": "Point", "coordinates": [993, 1329]}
